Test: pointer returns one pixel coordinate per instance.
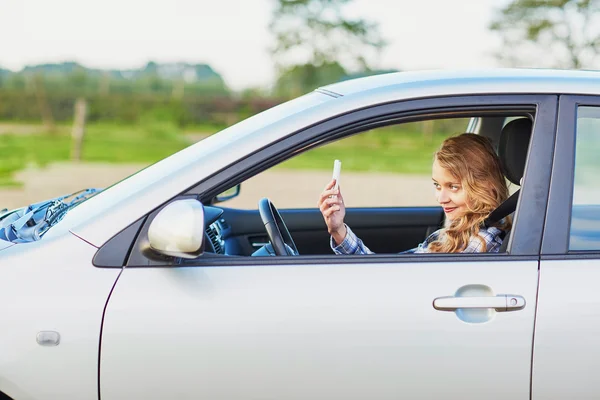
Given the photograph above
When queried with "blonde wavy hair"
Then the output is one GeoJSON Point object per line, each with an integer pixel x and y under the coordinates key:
{"type": "Point", "coordinates": [471, 159]}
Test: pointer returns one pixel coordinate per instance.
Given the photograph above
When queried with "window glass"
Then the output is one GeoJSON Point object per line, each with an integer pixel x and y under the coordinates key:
{"type": "Point", "coordinates": [585, 215]}
{"type": "Point", "coordinates": [384, 167]}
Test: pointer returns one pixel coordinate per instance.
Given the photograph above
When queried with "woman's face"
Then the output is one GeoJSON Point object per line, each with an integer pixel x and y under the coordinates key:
{"type": "Point", "coordinates": [448, 192]}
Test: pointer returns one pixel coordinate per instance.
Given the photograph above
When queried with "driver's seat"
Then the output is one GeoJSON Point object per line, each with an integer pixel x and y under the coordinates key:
{"type": "Point", "coordinates": [512, 150]}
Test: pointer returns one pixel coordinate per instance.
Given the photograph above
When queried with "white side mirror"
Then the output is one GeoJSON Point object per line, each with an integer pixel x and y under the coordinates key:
{"type": "Point", "coordinates": [178, 229]}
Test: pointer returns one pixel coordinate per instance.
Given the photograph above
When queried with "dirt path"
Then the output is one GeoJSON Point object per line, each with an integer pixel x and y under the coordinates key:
{"type": "Point", "coordinates": [285, 188]}
{"type": "Point", "coordinates": [62, 178]}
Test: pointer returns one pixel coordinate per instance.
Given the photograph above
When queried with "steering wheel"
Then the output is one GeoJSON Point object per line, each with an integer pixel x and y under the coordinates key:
{"type": "Point", "coordinates": [278, 233]}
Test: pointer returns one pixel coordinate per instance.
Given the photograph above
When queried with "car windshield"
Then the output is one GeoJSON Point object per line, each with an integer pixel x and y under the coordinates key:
{"type": "Point", "coordinates": [28, 224]}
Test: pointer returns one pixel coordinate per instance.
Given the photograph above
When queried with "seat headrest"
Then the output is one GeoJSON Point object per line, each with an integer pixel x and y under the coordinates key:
{"type": "Point", "coordinates": [512, 149]}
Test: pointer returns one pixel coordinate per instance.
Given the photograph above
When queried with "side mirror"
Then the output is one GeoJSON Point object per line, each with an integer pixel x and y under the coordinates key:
{"type": "Point", "coordinates": [178, 229]}
{"type": "Point", "coordinates": [228, 194]}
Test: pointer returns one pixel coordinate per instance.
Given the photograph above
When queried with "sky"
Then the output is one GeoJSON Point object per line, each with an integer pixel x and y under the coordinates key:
{"type": "Point", "coordinates": [232, 36]}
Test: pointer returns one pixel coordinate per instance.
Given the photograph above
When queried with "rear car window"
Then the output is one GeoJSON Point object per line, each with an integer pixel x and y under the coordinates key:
{"type": "Point", "coordinates": [585, 213]}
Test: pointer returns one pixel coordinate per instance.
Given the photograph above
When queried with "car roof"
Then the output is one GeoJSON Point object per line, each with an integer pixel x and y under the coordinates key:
{"type": "Point", "coordinates": [480, 80]}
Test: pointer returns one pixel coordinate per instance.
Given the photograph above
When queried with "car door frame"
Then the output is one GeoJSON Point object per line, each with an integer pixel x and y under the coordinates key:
{"type": "Point", "coordinates": [557, 225]}
{"type": "Point", "coordinates": [527, 231]}
{"type": "Point", "coordinates": [526, 236]}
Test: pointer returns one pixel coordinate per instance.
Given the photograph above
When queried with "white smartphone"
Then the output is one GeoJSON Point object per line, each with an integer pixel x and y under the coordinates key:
{"type": "Point", "coordinates": [337, 168]}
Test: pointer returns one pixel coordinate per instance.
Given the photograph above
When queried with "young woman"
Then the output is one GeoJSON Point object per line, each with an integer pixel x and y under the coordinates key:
{"type": "Point", "coordinates": [469, 185]}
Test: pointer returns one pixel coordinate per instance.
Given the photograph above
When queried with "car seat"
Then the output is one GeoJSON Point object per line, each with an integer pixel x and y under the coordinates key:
{"type": "Point", "coordinates": [512, 150]}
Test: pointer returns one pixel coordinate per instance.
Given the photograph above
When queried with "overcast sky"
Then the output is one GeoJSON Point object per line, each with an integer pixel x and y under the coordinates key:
{"type": "Point", "coordinates": [231, 35]}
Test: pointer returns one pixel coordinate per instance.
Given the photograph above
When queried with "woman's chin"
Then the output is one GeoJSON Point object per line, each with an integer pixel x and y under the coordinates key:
{"type": "Point", "coordinates": [450, 215]}
{"type": "Point", "coordinates": [453, 215]}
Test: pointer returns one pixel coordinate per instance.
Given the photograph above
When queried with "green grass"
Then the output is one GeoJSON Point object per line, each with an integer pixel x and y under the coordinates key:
{"type": "Point", "coordinates": [132, 144]}
{"type": "Point", "coordinates": [8, 183]}
{"type": "Point", "coordinates": [398, 149]}
{"type": "Point", "coordinates": [103, 143]}
{"type": "Point", "coordinates": [203, 128]}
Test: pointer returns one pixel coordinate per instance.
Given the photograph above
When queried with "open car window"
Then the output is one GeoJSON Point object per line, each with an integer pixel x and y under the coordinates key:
{"type": "Point", "coordinates": [393, 161]}
{"type": "Point", "coordinates": [386, 181]}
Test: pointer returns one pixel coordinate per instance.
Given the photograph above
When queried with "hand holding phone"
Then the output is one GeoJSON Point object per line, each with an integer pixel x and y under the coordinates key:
{"type": "Point", "coordinates": [337, 168]}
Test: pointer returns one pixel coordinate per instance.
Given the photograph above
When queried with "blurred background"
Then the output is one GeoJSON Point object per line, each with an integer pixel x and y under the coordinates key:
{"type": "Point", "coordinates": [92, 92]}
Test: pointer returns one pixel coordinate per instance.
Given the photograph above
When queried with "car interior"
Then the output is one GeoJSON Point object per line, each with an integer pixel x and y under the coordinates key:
{"type": "Point", "coordinates": [237, 232]}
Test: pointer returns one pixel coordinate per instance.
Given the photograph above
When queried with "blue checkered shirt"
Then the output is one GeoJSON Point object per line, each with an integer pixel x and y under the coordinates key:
{"type": "Point", "coordinates": [492, 237]}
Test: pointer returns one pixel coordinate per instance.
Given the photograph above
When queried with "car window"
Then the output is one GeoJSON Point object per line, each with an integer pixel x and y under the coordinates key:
{"type": "Point", "coordinates": [383, 167]}
{"type": "Point", "coordinates": [386, 182]}
{"type": "Point", "coordinates": [585, 214]}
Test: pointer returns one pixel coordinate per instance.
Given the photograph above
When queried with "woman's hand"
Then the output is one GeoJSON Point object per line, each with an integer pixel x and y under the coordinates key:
{"type": "Point", "coordinates": [331, 204]}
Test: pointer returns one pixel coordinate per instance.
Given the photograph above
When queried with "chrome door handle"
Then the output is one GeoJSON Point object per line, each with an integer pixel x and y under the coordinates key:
{"type": "Point", "coordinates": [501, 302]}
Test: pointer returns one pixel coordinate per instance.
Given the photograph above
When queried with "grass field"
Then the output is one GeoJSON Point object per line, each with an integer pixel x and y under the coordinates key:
{"type": "Point", "coordinates": [400, 149]}
{"type": "Point", "coordinates": [103, 142]}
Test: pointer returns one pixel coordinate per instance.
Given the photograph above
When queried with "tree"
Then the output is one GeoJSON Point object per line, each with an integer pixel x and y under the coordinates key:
{"type": "Point", "coordinates": [558, 33]}
{"type": "Point", "coordinates": [298, 79]}
{"type": "Point", "coordinates": [314, 34]}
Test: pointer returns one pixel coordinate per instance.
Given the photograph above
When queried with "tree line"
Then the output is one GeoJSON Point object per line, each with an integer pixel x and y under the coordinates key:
{"type": "Point", "coordinates": [316, 43]}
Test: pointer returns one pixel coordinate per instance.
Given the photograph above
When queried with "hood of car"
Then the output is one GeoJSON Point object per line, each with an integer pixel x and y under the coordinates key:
{"type": "Point", "coordinates": [30, 223]}
{"type": "Point", "coordinates": [4, 244]}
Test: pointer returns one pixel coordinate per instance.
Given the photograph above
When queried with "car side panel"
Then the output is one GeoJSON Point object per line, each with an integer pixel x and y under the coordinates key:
{"type": "Point", "coordinates": [566, 346]}
{"type": "Point", "coordinates": [344, 331]}
{"type": "Point", "coordinates": [567, 333]}
{"type": "Point", "coordinates": [51, 286]}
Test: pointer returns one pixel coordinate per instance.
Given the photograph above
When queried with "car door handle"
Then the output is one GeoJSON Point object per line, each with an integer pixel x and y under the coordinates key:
{"type": "Point", "coordinates": [501, 302]}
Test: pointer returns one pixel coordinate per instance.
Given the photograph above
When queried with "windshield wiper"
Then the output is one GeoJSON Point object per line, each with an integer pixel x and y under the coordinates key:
{"type": "Point", "coordinates": [28, 224]}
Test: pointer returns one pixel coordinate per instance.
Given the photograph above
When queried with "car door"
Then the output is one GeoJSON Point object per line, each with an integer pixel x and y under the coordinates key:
{"type": "Point", "coordinates": [338, 327]}
{"type": "Point", "coordinates": [566, 351]}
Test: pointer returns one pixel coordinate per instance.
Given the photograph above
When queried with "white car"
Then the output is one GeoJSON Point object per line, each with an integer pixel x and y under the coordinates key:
{"type": "Point", "coordinates": [152, 289]}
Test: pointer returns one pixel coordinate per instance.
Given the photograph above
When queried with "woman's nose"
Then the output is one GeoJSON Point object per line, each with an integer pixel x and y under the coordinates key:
{"type": "Point", "coordinates": [443, 196]}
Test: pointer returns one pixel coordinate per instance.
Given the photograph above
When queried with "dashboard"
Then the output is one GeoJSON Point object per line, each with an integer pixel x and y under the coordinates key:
{"type": "Point", "coordinates": [222, 240]}
{"type": "Point", "coordinates": [216, 230]}
{"type": "Point", "coordinates": [215, 234]}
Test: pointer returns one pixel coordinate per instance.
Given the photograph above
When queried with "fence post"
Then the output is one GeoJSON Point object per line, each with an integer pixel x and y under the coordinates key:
{"type": "Point", "coordinates": [78, 129]}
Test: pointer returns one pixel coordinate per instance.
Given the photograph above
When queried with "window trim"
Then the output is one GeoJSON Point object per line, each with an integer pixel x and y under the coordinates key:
{"type": "Point", "coordinates": [557, 227]}
{"type": "Point", "coordinates": [527, 232]}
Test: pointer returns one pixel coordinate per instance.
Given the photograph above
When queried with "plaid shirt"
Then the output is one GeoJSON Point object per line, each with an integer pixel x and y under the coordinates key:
{"type": "Point", "coordinates": [492, 237]}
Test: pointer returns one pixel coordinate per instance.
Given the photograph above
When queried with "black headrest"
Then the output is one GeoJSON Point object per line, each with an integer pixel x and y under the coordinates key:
{"type": "Point", "coordinates": [512, 149]}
